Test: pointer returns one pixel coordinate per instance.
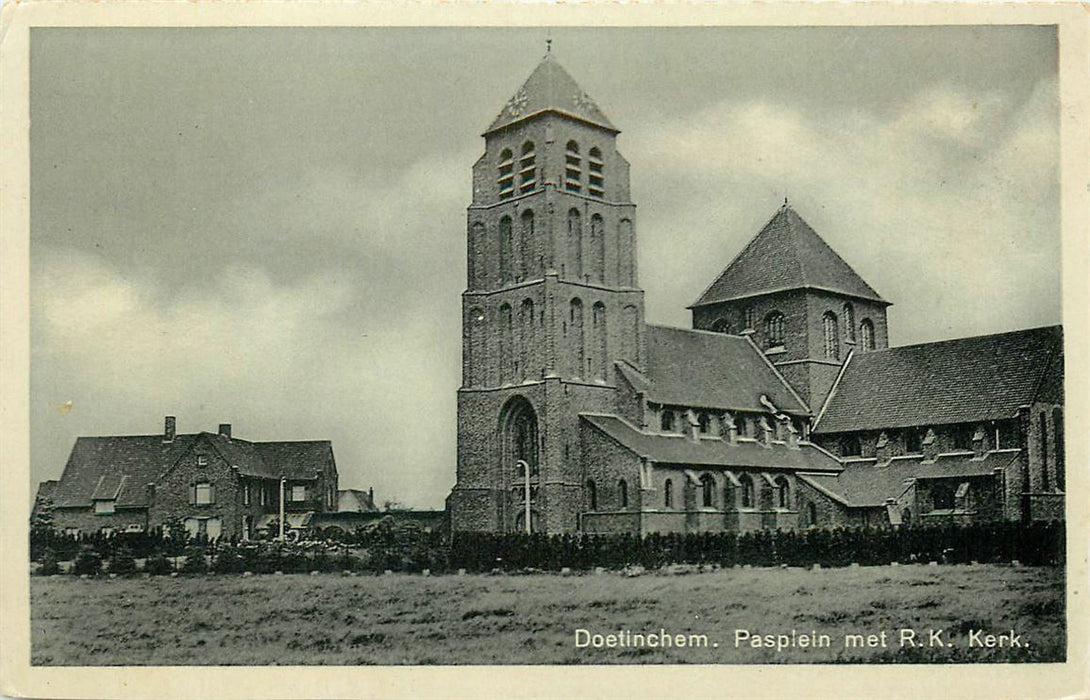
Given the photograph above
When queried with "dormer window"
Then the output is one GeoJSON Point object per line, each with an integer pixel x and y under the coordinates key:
{"type": "Point", "coordinates": [105, 506]}
{"type": "Point", "coordinates": [913, 441]}
{"type": "Point", "coordinates": [527, 168]}
{"type": "Point", "coordinates": [506, 180]}
{"type": "Point", "coordinates": [596, 178]}
{"type": "Point", "coordinates": [741, 424]}
{"type": "Point", "coordinates": [704, 423]}
{"type": "Point", "coordinates": [666, 421]}
{"type": "Point", "coordinates": [851, 446]}
{"type": "Point", "coordinates": [573, 168]}
{"type": "Point", "coordinates": [202, 461]}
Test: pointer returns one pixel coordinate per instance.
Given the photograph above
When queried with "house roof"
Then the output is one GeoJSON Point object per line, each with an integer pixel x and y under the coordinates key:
{"type": "Point", "coordinates": [121, 467]}
{"type": "Point", "coordinates": [550, 89]}
{"type": "Point", "coordinates": [679, 449]}
{"type": "Point", "coordinates": [786, 254]}
{"type": "Point", "coordinates": [355, 501]}
{"type": "Point", "coordinates": [866, 484]}
{"type": "Point", "coordinates": [952, 381]}
{"type": "Point", "coordinates": [710, 370]}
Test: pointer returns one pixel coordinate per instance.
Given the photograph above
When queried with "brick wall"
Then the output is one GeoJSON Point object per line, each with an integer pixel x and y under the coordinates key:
{"type": "Point", "coordinates": [88, 522]}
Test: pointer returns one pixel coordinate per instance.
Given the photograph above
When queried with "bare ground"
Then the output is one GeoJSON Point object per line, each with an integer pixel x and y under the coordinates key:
{"type": "Point", "coordinates": [403, 619]}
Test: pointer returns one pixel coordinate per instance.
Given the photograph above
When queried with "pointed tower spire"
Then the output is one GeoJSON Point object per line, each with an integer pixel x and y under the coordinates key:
{"type": "Point", "coordinates": [550, 89]}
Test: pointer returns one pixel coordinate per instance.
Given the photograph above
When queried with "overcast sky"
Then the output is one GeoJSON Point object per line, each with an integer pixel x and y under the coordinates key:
{"type": "Point", "coordinates": [267, 226]}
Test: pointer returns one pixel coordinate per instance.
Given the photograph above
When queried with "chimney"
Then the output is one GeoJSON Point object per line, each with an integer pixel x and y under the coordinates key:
{"type": "Point", "coordinates": [168, 429]}
{"type": "Point", "coordinates": [225, 430]}
{"type": "Point", "coordinates": [882, 451]}
{"type": "Point", "coordinates": [979, 448]}
{"type": "Point", "coordinates": [149, 493]}
{"type": "Point", "coordinates": [930, 446]}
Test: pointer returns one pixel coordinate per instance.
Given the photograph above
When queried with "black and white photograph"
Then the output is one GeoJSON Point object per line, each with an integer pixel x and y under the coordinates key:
{"type": "Point", "coordinates": [549, 345]}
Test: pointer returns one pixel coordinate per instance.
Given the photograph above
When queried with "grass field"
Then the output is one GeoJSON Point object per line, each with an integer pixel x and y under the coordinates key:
{"type": "Point", "coordinates": [402, 619]}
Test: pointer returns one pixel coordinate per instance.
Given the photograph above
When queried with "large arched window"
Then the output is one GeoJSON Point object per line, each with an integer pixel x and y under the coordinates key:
{"type": "Point", "coordinates": [622, 493]}
{"type": "Point", "coordinates": [598, 364]}
{"type": "Point", "coordinates": [774, 330]}
{"type": "Point", "coordinates": [721, 325]}
{"type": "Point", "coordinates": [597, 249]}
{"type": "Point", "coordinates": [596, 179]}
{"type": "Point", "coordinates": [527, 246]}
{"type": "Point", "coordinates": [527, 168]}
{"type": "Point", "coordinates": [707, 491]}
{"type": "Point", "coordinates": [748, 498]}
{"type": "Point", "coordinates": [575, 244]}
{"type": "Point", "coordinates": [592, 494]}
{"type": "Point", "coordinates": [668, 493]}
{"type": "Point", "coordinates": [506, 180]}
{"type": "Point", "coordinates": [573, 168]}
{"type": "Point", "coordinates": [830, 336]}
{"type": "Point", "coordinates": [849, 322]}
{"type": "Point", "coordinates": [866, 333]}
{"type": "Point", "coordinates": [578, 348]}
{"type": "Point", "coordinates": [783, 493]}
{"type": "Point", "coordinates": [507, 245]}
{"type": "Point", "coordinates": [520, 445]}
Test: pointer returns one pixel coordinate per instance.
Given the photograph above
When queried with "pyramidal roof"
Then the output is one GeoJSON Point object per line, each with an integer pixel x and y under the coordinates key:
{"type": "Point", "coordinates": [550, 89]}
{"type": "Point", "coordinates": [786, 254]}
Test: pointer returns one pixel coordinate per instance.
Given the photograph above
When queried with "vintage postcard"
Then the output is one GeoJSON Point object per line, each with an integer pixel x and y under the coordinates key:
{"type": "Point", "coordinates": [357, 351]}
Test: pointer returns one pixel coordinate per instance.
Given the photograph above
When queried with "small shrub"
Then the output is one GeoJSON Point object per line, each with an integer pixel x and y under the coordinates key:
{"type": "Point", "coordinates": [122, 562]}
{"type": "Point", "coordinates": [194, 561]}
{"type": "Point", "coordinates": [88, 562]}
{"type": "Point", "coordinates": [228, 561]}
{"type": "Point", "coordinates": [158, 565]}
{"type": "Point", "coordinates": [49, 565]}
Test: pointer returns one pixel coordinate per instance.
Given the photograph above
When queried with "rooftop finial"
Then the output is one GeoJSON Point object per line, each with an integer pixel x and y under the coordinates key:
{"type": "Point", "coordinates": [548, 46]}
{"type": "Point", "coordinates": [785, 201]}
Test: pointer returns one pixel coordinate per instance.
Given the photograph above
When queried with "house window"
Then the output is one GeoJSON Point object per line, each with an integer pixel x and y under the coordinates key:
{"type": "Point", "coordinates": [298, 493]}
{"type": "Point", "coordinates": [866, 330]}
{"type": "Point", "coordinates": [596, 179]}
{"type": "Point", "coordinates": [913, 441]}
{"type": "Point", "coordinates": [721, 325]}
{"type": "Point", "coordinates": [592, 494]}
{"type": "Point", "coordinates": [942, 496]}
{"type": "Point", "coordinates": [622, 489]}
{"type": "Point", "coordinates": [774, 330]}
{"type": "Point", "coordinates": [105, 507]}
{"type": "Point", "coordinates": [506, 180]}
{"type": "Point", "coordinates": [851, 446]}
{"type": "Point", "coordinates": [246, 495]}
{"type": "Point", "coordinates": [668, 493]}
{"type": "Point", "coordinates": [783, 494]}
{"type": "Point", "coordinates": [829, 336]}
{"type": "Point", "coordinates": [747, 491]}
{"type": "Point", "coordinates": [703, 422]}
{"type": "Point", "coordinates": [263, 494]}
{"type": "Point", "coordinates": [849, 322]}
{"type": "Point", "coordinates": [666, 422]}
{"type": "Point", "coordinates": [573, 168]}
{"type": "Point", "coordinates": [202, 461]}
{"type": "Point", "coordinates": [749, 319]}
{"type": "Point", "coordinates": [527, 168]}
{"type": "Point", "coordinates": [204, 494]}
{"type": "Point", "coordinates": [1043, 427]}
{"type": "Point", "coordinates": [811, 513]}
{"type": "Point", "coordinates": [707, 490]}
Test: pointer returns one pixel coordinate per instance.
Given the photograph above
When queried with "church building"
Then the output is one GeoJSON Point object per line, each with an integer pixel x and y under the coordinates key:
{"type": "Point", "coordinates": [783, 406]}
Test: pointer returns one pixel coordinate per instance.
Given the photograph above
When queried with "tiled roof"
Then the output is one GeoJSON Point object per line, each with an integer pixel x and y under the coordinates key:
{"type": "Point", "coordinates": [869, 485]}
{"type": "Point", "coordinates": [678, 449]}
{"type": "Point", "coordinates": [355, 501]}
{"type": "Point", "coordinates": [786, 254]}
{"type": "Point", "coordinates": [121, 467]}
{"type": "Point", "coordinates": [550, 89]}
{"type": "Point", "coordinates": [953, 381]}
{"type": "Point", "coordinates": [712, 370]}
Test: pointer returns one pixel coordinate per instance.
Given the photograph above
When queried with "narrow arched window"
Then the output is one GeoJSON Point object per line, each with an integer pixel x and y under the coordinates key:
{"type": "Point", "coordinates": [866, 332]}
{"type": "Point", "coordinates": [597, 249]}
{"type": "Point", "coordinates": [573, 168]}
{"type": "Point", "coordinates": [707, 491]}
{"type": "Point", "coordinates": [783, 494]}
{"type": "Point", "coordinates": [622, 491]}
{"type": "Point", "coordinates": [1058, 433]}
{"type": "Point", "coordinates": [506, 179]}
{"type": "Point", "coordinates": [747, 490]}
{"type": "Point", "coordinates": [507, 367]}
{"type": "Point", "coordinates": [592, 494]}
{"type": "Point", "coordinates": [749, 319]}
{"type": "Point", "coordinates": [668, 493]}
{"type": "Point", "coordinates": [596, 179]}
{"type": "Point", "coordinates": [527, 168]}
{"type": "Point", "coordinates": [476, 359]}
{"type": "Point", "coordinates": [811, 512]}
{"type": "Point", "coordinates": [575, 243]}
{"type": "Point", "coordinates": [774, 330]}
{"type": "Point", "coordinates": [507, 245]}
{"type": "Point", "coordinates": [630, 328]}
{"type": "Point", "coordinates": [721, 325]}
{"type": "Point", "coordinates": [527, 246]}
{"type": "Point", "coordinates": [849, 322]}
{"type": "Point", "coordinates": [525, 361]}
{"type": "Point", "coordinates": [830, 336]}
{"type": "Point", "coordinates": [598, 364]}
{"type": "Point", "coordinates": [1043, 436]}
{"type": "Point", "coordinates": [578, 347]}
{"type": "Point", "coordinates": [626, 257]}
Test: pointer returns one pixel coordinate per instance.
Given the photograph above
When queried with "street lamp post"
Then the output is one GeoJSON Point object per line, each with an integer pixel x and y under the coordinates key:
{"type": "Point", "coordinates": [526, 493]}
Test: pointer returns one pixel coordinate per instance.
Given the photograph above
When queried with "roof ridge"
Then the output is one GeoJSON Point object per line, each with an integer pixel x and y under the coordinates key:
{"type": "Point", "coordinates": [878, 351]}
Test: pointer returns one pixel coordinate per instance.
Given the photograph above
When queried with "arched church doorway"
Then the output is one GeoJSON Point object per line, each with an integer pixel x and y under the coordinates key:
{"type": "Point", "coordinates": [521, 448]}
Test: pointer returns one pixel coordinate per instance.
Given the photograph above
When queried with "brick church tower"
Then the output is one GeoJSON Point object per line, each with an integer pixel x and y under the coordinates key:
{"type": "Point", "coordinates": [551, 303]}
